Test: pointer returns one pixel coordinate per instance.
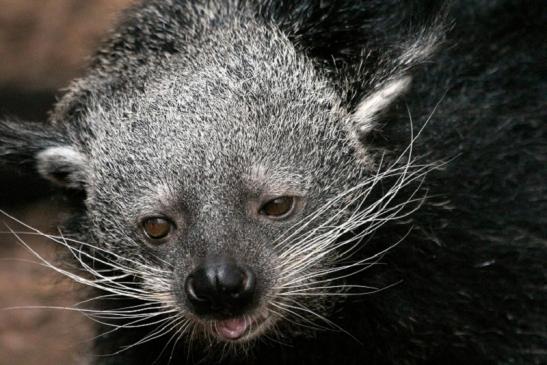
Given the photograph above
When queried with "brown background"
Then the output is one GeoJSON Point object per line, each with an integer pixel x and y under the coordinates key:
{"type": "Point", "coordinates": [43, 45]}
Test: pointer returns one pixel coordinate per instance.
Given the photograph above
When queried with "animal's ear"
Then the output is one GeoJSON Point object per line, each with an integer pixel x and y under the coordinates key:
{"type": "Point", "coordinates": [371, 107]}
{"type": "Point", "coordinates": [394, 78]}
{"type": "Point", "coordinates": [45, 149]}
{"type": "Point", "coordinates": [63, 165]}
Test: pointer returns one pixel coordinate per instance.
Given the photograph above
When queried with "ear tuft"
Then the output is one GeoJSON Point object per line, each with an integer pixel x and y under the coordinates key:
{"type": "Point", "coordinates": [62, 165]}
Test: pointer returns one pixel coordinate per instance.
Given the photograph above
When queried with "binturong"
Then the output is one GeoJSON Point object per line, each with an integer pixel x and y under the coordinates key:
{"type": "Point", "coordinates": [326, 182]}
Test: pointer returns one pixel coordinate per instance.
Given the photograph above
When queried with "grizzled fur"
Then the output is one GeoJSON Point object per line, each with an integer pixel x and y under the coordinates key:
{"type": "Point", "coordinates": [200, 110]}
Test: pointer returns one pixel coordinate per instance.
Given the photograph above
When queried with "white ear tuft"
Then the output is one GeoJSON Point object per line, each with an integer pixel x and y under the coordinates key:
{"type": "Point", "coordinates": [376, 102]}
{"type": "Point", "coordinates": [62, 165]}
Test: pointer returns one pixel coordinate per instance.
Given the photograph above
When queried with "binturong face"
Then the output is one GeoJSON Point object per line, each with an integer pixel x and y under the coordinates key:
{"type": "Point", "coordinates": [226, 195]}
{"type": "Point", "coordinates": [220, 184]}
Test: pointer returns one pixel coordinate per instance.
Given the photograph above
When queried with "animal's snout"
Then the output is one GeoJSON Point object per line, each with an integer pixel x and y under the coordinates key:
{"type": "Point", "coordinates": [220, 288]}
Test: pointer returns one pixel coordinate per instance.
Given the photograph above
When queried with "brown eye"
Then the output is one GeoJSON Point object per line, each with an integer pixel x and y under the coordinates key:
{"type": "Point", "coordinates": [278, 207]}
{"type": "Point", "coordinates": [157, 228]}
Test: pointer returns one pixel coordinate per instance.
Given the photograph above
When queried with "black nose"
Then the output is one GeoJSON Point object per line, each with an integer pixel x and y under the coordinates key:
{"type": "Point", "coordinates": [220, 288]}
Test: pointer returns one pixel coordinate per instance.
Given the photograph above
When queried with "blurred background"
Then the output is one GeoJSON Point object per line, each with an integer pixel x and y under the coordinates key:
{"type": "Point", "coordinates": [43, 45]}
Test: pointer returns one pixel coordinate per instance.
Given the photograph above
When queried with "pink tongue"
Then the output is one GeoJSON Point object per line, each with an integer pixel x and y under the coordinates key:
{"type": "Point", "coordinates": [232, 328]}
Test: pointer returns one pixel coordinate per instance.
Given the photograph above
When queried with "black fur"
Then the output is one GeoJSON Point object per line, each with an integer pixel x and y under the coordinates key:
{"type": "Point", "coordinates": [472, 270]}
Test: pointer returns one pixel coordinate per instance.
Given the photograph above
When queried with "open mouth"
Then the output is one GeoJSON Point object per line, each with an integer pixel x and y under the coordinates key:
{"type": "Point", "coordinates": [240, 328]}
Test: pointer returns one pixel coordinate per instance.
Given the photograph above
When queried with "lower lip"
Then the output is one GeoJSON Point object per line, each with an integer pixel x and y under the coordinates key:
{"type": "Point", "coordinates": [237, 328]}
{"type": "Point", "coordinates": [232, 329]}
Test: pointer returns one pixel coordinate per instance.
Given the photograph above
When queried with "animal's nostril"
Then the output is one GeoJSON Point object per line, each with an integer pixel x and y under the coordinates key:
{"type": "Point", "coordinates": [191, 291]}
{"type": "Point", "coordinates": [249, 281]}
{"type": "Point", "coordinates": [220, 287]}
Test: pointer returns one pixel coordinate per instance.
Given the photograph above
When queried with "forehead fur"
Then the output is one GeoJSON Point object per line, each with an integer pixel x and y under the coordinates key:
{"type": "Point", "coordinates": [281, 181]}
{"type": "Point", "coordinates": [245, 100]}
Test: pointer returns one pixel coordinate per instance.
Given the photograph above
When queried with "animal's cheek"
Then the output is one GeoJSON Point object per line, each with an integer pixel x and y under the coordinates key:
{"type": "Point", "coordinates": [157, 287]}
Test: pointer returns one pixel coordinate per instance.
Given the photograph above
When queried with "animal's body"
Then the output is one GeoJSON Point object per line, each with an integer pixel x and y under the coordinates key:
{"type": "Point", "coordinates": [292, 155]}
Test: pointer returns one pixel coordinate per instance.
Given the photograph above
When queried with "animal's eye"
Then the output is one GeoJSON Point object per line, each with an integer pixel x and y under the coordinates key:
{"type": "Point", "coordinates": [278, 207]}
{"type": "Point", "coordinates": [157, 227]}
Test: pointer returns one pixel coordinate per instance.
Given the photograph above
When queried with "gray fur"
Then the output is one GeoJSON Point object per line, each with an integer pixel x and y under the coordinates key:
{"type": "Point", "coordinates": [204, 135]}
{"type": "Point", "coordinates": [202, 112]}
